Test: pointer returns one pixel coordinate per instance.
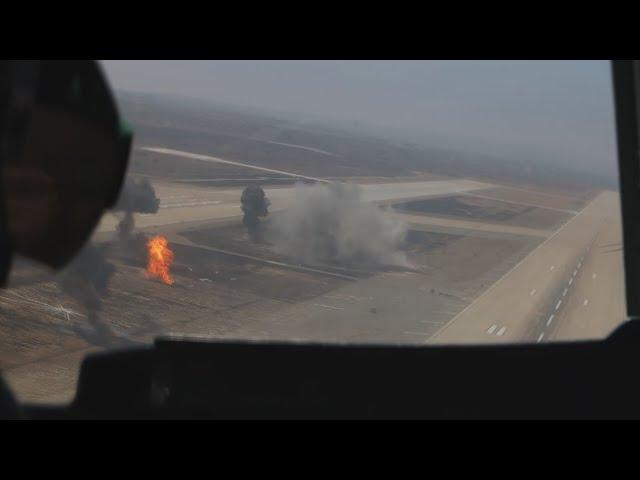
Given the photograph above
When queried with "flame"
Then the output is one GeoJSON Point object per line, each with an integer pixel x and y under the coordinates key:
{"type": "Point", "coordinates": [160, 258]}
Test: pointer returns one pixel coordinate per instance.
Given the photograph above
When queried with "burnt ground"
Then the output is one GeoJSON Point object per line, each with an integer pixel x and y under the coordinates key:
{"type": "Point", "coordinates": [235, 238]}
{"type": "Point", "coordinates": [567, 199]}
{"type": "Point", "coordinates": [470, 207]}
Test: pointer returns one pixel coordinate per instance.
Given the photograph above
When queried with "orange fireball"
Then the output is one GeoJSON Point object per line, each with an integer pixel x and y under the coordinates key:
{"type": "Point", "coordinates": [160, 258]}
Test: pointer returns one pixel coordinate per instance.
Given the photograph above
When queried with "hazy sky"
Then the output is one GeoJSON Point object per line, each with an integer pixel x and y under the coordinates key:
{"type": "Point", "coordinates": [557, 109]}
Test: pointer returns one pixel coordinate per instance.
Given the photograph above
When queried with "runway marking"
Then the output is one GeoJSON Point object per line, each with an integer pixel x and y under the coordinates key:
{"type": "Point", "coordinates": [326, 306]}
{"type": "Point", "coordinates": [594, 276]}
{"type": "Point", "coordinates": [177, 197]}
{"type": "Point", "coordinates": [208, 158]}
{"type": "Point", "coordinates": [237, 179]}
{"type": "Point", "coordinates": [540, 337]}
{"type": "Point", "coordinates": [492, 328]}
{"type": "Point", "coordinates": [579, 265]}
{"type": "Point", "coordinates": [570, 281]}
{"type": "Point", "coordinates": [65, 311]}
{"type": "Point", "coordinates": [533, 292]}
{"type": "Point", "coordinates": [550, 320]}
{"type": "Point", "coordinates": [565, 292]}
{"type": "Point", "coordinates": [346, 297]}
{"type": "Point", "coordinates": [51, 308]}
{"type": "Point", "coordinates": [200, 203]}
{"type": "Point", "coordinates": [552, 268]}
{"type": "Point", "coordinates": [532, 252]}
{"type": "Point", "coordinates": [586, 302]}
{"type": "Point", "coordinates": [280, 264]}
{"type": "Point", "coordinates": [501, 331]}
{"type": "Point", "coordinates": [574, 272]}
{"type": "Point", "coordinates": [558, 305]}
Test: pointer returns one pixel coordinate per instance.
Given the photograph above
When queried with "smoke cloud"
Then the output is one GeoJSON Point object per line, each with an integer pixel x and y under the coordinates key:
{"type": "Point", "coordinates": [254, 204]}
{"type": "Point", "coordinates": [86, 278]}
{"type": "Point", "coordinates": [138, 196]}
{"type": "Point", "coordinates": [332, 223]}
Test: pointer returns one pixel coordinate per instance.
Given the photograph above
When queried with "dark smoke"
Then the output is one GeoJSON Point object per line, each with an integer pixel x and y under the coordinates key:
{"type": "Point", "coordinates": [138, 196]}
{"type": "Point", "coordinates": [255, 204]}
{"type": "Point", "coordinates": [86, 278]}
{"type": "Point", "coordinates": [125, 226]}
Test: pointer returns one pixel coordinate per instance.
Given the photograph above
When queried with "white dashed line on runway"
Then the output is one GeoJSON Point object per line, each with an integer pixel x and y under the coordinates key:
{"type": "Point", "coordinates": [491, 329]}
{"type": "Point", "coordinates": [564, 294]}
{"type": "Point", "coordinates": [326, 306]}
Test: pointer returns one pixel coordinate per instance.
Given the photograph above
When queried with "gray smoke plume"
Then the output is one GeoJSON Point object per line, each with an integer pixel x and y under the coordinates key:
{"type": "Point", "coordinates": [254, 204]}
{"type": "Point", "coordinates": [86, 278]}
{"type": "Point", "coordinates": [332, 223]}
{"type": "Point", "coordinates": [125, 226]}
{"type": "Point", "coordinates": [138, 196]}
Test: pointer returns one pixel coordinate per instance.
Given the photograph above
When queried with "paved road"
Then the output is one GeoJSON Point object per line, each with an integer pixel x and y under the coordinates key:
{"type": "Point", "coordinates": [515, 308]}
{"type": "Point", "coordinates": [209, 158]}
{"type": "Point", "coordinates": [186, 203]}
{"type": "Point", "coordinates": [595, 298]}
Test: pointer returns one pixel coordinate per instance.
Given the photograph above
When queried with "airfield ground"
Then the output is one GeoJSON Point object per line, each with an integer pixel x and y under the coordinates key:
{"type": "Point", "coordinates": [227, 286]}
{"type": "Point", "coordinates": [490, 262]}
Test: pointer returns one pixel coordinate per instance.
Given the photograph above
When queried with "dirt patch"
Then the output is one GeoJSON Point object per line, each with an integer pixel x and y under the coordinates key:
{"type": "Point", "coordinates": [419, 243]}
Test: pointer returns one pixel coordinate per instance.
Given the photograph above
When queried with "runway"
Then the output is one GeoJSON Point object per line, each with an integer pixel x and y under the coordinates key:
{"type": "Point", "coordinates": [596, 303]}
{"type": "Point", "coordinates": [527, 303]}
{"type": "Point", "coordinates": [555, 279]}
{"type": "Point", "coordinates": [516, 308]}
{"type": "Point", "coordinates": [183, 204]}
